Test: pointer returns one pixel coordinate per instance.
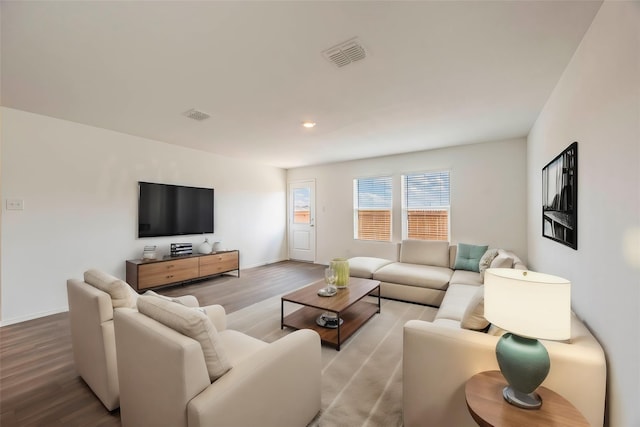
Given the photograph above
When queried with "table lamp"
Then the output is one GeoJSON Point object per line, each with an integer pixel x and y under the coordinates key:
{"type": "Point", "coordinates": [529, 306]}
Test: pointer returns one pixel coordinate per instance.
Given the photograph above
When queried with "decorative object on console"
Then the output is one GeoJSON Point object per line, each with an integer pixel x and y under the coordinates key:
{"type": "Point", "coordinates": [179, 249]}
{"type": "Point", "coordinates": [341, 267]}
{"type": "Point", "coordinates": [205, 247]}
{"type": "Point", "coordinates": [529, 305]}
{"type": "Point", "coordinates": [217, 247]}
{"type": "Point", "coordinates": [149, 252]}
{"type": "Point", "coordinates": [560, 198]}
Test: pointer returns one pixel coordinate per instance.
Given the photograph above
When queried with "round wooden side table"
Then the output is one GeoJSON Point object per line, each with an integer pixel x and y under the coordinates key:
{"type": "Point", "coordinates": [488, 408]}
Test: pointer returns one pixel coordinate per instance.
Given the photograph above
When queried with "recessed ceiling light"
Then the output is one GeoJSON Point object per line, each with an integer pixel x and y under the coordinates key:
{"type": "Point", "coordinates": [308, 124]}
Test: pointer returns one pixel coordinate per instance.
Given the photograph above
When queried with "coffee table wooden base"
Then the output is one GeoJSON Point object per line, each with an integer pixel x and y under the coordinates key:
{"type": "Point", "coordinates": [354, 318]}
{"type": "Point", "coordinates": [354, 311]}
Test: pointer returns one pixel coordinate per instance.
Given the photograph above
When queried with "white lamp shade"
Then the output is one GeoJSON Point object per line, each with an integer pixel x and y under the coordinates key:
{"type": "Point", "coordinates": [527, 303]}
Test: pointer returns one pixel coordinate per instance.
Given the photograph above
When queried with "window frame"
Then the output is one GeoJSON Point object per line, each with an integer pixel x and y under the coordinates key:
{"type": "Point", "coordinates": [404, 203]}
{"type": "Point", "coordinates": [357, 209]}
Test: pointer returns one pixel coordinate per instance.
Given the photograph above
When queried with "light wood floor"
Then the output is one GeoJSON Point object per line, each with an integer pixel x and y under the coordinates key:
{"type": "Point", "coordinates": [39, 385]}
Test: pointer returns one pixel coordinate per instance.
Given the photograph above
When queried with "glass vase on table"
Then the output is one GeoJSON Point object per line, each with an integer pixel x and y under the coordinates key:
{"type": "Point", "coordinates": [330, 278]}
{"type": "Point", "coordinates": [328, 319]}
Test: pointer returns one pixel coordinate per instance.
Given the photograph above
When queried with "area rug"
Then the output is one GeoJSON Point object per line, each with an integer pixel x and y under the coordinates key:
{"type": "Point", "coordinates": [361, 383]}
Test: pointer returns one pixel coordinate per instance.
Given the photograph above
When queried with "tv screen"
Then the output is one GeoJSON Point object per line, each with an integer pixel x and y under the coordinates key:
{"type": "Point", "coordinates": [172, 210]}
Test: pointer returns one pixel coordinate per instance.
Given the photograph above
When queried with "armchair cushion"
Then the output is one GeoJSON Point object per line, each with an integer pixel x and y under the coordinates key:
{"type": "Point", "coordinates": [186, 300]}
{"type": "Point", "coordinates": [193, 323]}
{"type": "Point", "coordinates": [122, 295]}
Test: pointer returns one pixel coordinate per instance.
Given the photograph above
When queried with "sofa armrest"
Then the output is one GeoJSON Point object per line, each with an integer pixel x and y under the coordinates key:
{"type": "Point", "coordinates": [438, 360]}
{"type": "Point", "coordinates": [278, 386]}
{"type": "Point", "coordinates": [218, 316]}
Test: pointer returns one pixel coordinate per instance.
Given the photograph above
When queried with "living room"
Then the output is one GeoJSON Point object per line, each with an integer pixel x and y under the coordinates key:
{"type": "Point", "coordinates": [78, 181]}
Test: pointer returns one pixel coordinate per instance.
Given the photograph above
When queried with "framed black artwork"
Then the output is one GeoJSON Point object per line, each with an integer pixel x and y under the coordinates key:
{"type": "Point", "coordinates": [560, 198]}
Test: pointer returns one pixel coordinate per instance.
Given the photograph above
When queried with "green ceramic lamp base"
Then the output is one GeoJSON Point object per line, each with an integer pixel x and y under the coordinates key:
{"type": "Point", "coordinates": [522, 400]}
{"type": "Point", "coordinates": [524, 362]}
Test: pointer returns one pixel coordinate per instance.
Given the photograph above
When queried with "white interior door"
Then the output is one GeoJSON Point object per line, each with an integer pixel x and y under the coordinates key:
{"type": "Point", "coordinates": [302, 217]}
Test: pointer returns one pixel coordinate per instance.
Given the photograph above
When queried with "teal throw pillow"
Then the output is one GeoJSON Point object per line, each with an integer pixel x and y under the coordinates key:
{"type": "Point", "coordinates": [468, 257]}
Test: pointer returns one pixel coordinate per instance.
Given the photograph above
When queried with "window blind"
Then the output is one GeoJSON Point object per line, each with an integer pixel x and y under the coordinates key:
{"type": "Point", "coordinates": [426, 205]}
{"type": "Point", "coordinates": [372, 208]}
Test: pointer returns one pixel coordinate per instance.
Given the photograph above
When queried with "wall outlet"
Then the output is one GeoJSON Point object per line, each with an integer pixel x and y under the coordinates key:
{"type": "Point", "coordinates": [15, 204]}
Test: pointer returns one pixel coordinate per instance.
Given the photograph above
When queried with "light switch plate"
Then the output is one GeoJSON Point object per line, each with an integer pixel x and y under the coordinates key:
{"type": "Point", "coordinates": [15, 204]}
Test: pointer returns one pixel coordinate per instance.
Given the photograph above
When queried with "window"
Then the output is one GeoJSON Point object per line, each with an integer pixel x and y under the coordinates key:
{"type": "Point", "coordinates": [301, 210]}
{"type": "Point", "coordinates": [372, 208]}
{"type": "Point", "coordinates": [425, 206]}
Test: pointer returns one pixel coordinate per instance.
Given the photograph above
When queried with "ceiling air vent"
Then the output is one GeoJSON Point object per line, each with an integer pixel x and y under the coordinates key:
{"type": "Point", "coordinates": [196, 115]}
{"type": "Point", "coordinates": [346, 52]}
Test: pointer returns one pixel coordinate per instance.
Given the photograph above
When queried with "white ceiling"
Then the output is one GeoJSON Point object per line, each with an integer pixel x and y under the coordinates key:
{"type": "Point", "coordinates": [437, 73]}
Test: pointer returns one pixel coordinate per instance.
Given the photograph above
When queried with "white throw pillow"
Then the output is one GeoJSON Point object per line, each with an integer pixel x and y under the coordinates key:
{"type": "Point", "coordinates": [473, 317]}
{"type": "Point", "coordinates": [485, 261]}
{"type": "Point", "coordinates": [122, 295]}
{"type": "Point", "coordinates": [503, 260]}
{"type": "Point", "coordinates": [192, 323]}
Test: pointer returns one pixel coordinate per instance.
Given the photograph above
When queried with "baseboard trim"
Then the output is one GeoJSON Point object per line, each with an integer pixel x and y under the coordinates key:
{"type": "Point", "coordinates": [32, 316]}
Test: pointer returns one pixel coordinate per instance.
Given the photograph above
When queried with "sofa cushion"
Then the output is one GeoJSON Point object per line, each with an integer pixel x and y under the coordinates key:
{"type": "Point", "coordinates": [425, 276]}
{"type": "Point", "coordinates": [425, 252]}
{"type": "Point", "coordinates": [453, 252]}
{"type": "Point", "coordinates": [364, 267]}
{"type": "Point", "coordinates": [465, 277]}
{"type": "Point", "coordinates": [456, 301]}
{"type": "Point", "coordinates": [239, 346]}
{"type": "Point", "coordinates": [473, 317]}
{"type": "Point", "coordinates": [485, 261]}
{"type": "Point", "coordinates": [122, 295]}
{"type": "Point", "coordinates": [192, 323]}
{"type": "Point", "coordinates": [468, 257]}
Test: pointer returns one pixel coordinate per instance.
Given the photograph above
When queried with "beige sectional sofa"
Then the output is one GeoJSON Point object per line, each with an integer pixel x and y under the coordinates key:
{"type": "Point", "coordinates": [440, 356]}
{"type": "Point", "coordinates": [424, 271]}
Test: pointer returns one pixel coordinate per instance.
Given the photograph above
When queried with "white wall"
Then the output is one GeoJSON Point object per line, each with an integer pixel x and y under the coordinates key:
{"type": "Point", "coordinates": [79, 186]}
{"type": "Point", "coordinates": [597, 103]}
{"type": "Point", "coordinates": [487, 197]}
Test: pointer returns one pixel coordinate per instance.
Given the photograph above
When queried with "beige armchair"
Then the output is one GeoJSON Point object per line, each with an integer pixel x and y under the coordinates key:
{"type": "Point", "coordinates": [164, 378]}
{"type": "Point", "coordinates": [91, 305]}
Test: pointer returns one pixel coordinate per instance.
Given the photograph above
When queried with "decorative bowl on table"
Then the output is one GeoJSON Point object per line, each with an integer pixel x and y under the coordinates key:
{"type": "Point", "coordinates": [328, 320]}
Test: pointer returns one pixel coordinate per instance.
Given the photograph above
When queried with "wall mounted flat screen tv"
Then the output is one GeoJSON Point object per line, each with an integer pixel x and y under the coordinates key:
{"type": "Point", "coordinates": [173, 210]}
